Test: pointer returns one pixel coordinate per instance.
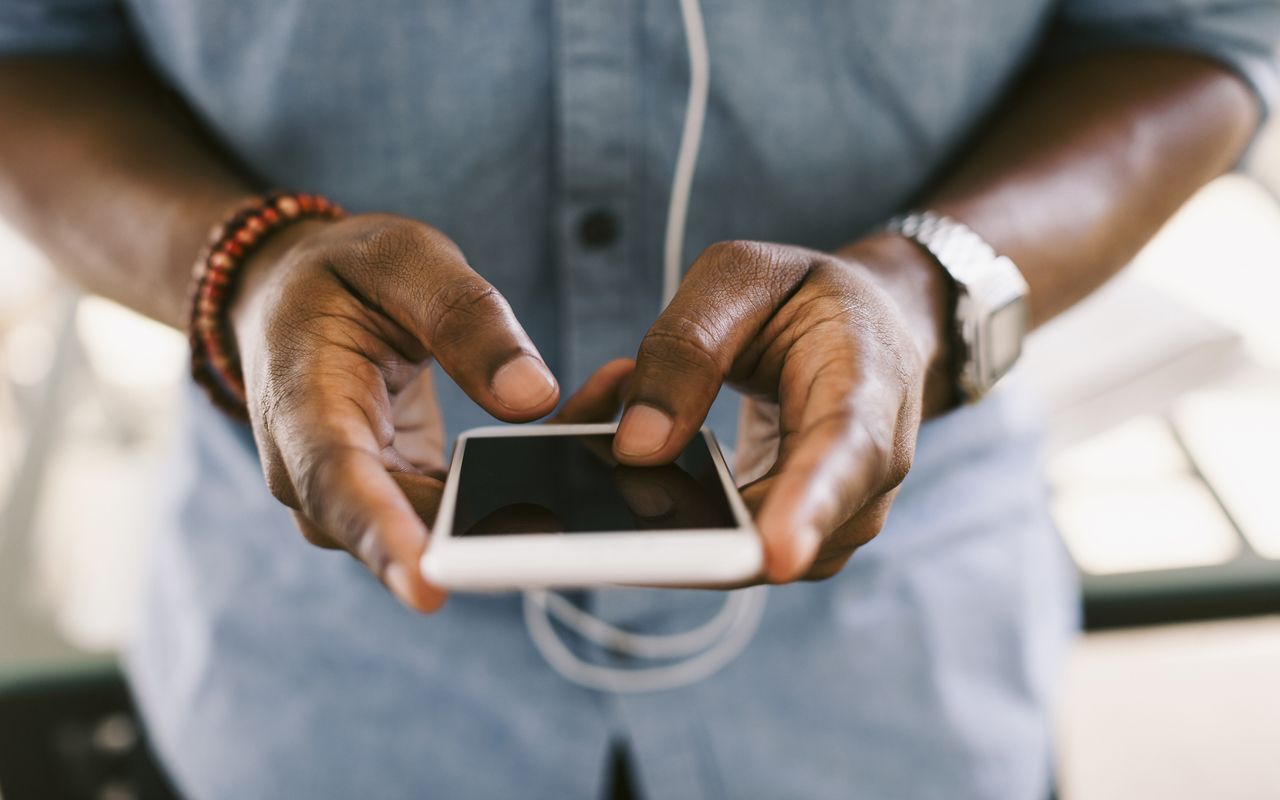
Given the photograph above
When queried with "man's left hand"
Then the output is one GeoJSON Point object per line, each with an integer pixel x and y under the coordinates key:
{"type": "Point", "coordinates": [833, 352]}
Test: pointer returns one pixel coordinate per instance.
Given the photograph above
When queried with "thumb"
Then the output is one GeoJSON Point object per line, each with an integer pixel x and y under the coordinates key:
{"type": "Point", "coordinates": [730, 293]}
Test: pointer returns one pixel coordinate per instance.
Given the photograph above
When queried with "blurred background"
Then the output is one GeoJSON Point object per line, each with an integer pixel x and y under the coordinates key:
{"type": "Point", "coordinates": [1164, 391]}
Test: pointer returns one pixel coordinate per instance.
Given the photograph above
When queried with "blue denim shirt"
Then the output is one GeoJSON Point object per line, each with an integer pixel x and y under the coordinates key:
{"type": "Point", "coordinates": [269, 669]}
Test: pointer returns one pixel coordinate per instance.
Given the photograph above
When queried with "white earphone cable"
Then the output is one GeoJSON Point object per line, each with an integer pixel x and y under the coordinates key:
{"type": "Point", "coordinates": [638, 645]}
{"type": "Point", "coordinates": [742, 627]}
{"type": "Point", "coordinates": [695, 113]}
{"type": "Point", "coordinates": [718, 641]}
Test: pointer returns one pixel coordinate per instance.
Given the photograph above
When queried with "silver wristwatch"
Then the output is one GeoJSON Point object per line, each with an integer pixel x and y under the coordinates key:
{"type": "Point", "coordinates": [991, 297]}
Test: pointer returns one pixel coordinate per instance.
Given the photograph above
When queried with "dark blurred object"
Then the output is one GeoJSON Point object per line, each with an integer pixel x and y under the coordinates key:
{"type": "Point", "coordinates": [1155, 343]}
{"type": "Point", "coordinates": [75, 736]}
{"type": "Point", "coordinates": [621, 775]}
{"type": "Point", "coordinates": [1245, 586]}
{"type": "Point", "coordinates": [1248, 583]}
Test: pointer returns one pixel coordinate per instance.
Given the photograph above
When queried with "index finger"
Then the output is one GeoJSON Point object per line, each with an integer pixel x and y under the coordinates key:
{"type": "Point", "coordinates": [455, 314]}
{"type": "Point", "coordinates": [728, 296]}
{"type": "Point", "coordinates": [833, 463]}
{"type": "Point", "coordinates": [341, 478]}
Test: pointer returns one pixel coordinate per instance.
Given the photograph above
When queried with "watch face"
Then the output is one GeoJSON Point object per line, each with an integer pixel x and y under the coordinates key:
{"type": "Point", "coordinates": [1005, 328]}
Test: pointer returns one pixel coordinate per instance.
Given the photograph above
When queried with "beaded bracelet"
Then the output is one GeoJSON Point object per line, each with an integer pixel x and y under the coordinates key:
{"type": "Point", "coordinates": [215, 361]}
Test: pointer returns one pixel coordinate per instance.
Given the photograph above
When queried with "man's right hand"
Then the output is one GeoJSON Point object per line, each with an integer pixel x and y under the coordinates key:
{"type": "Point", "coordinates": [334, 322]}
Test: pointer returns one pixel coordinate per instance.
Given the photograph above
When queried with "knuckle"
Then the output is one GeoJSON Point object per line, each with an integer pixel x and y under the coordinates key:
{"type": "Point", "coordinates": [870, 528]}
{"type": "Point", "coordinates": [863, 527]}
{"type": "Point", "coordinates": [732, 257]}
{"type": "Point", "coordinates": [318, 467]}
{"type": "Point", "coordinates": [899, 467]}
{"type": "Point", "coordinates": [273, 405]}
{"type": "Point", "coordinates": [879, 446]}
{"type": "Point", "coordinates": [315, 537]}
{"type": "Point", "coordinates": [773, 268]}
{"type": "Point", "coordinates": [281, 487]}
{"type": "Point", "coordinates": [386, 237]}
{"type": "Point", "coordinates": [732, 252]}
{"type": "Point", "coordinates": [311, 478]}
{"type": "Point", "coordinates": [892, 456]}
{"type": "Point", "coordinates": [684, 343]}
{"type": "Point", "coordinates": [722, 250]}
{"type": "Point", "coordinates": [459, 305]}
{"type": "Point", "coordinates": [828, 568]}
{"type": "Point", "coordinates": [883, 458]}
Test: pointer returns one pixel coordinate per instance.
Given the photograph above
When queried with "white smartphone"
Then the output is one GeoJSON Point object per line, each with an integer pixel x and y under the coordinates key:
{"type": "Point", "coordinates": [547, 506]}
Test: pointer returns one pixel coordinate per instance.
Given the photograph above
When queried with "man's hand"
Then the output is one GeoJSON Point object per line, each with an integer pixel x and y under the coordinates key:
{"type": "Point", "coordinates": [336, 322]}
{"type": "Point", "coordinates": [834, 352]}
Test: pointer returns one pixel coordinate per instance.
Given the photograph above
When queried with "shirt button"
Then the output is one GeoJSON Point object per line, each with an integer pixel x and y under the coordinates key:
{"type": "Point", "coordinates": [598, 228]}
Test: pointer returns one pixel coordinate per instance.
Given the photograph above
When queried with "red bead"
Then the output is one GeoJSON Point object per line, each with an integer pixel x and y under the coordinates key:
{"type": "Point", "coordinates": [215, 363]}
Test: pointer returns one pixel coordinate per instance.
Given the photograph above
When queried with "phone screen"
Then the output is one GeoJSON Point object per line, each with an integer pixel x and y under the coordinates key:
{"type": "Point", "coordinates": [571, 484]}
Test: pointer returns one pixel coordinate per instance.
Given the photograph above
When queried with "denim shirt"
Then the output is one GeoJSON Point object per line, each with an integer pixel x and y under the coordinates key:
{"type": "Point", "coordinates": [541, 136]}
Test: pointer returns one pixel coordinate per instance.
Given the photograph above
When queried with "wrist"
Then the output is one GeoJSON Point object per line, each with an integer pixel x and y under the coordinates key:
{"type": "Point", "coordinates": [926, 296]}
{"type": "Point", "coordinates": [254, 226]}
{"type": "Point", "coordinates": [255, 281]}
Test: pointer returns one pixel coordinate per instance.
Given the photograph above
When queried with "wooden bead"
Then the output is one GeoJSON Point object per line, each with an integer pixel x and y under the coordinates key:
{"type": "Point", "coordinates": [215, 364]}
{"type": "Point", "coordinates": [288, 207]}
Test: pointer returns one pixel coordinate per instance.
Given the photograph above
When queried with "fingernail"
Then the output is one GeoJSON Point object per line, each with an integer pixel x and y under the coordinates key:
{"type": "Point", "coordinates": [643, 431]}
{"type": "Point", "coordinates": [523, 383]}
{"type": "Point", "coordinates": [646, 499]}
{"type": "Point", "coordinates": [397, 580]}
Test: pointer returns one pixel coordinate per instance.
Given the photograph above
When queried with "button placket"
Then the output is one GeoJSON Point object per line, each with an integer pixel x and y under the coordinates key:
{"type": "Point", "coordinates": [595, 128]}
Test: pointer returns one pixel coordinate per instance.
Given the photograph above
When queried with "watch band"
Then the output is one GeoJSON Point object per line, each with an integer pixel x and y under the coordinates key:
{"type": "Point", "coordinates": [991, 297]}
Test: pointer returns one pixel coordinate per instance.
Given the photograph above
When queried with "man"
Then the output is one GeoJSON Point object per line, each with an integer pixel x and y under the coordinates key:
{"type": "Point", "coordinates": [509, 168]}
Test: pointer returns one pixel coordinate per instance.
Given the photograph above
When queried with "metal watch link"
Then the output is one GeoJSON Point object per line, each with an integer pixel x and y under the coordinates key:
{"type": "Point", "coordinates": [991, 316]}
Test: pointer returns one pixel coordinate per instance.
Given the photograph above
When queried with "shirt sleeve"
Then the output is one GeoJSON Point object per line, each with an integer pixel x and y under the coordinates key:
{"type": "Point", "coordinates": [1240, 34]}
{"type": "Point", "coordinates": [46, 27]}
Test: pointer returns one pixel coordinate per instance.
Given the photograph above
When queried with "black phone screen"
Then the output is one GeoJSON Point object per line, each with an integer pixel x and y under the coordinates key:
{"type": "Point", "coordinates": [571, 484]}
